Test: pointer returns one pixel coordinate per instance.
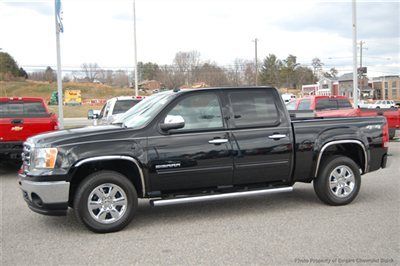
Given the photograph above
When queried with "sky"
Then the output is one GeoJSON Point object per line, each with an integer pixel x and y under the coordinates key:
{"type": "Point", "coordinates": [101, 31]}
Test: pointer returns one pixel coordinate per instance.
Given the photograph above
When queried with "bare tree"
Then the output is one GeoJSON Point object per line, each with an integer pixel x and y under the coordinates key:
{"type": "Point", "coordinates": [186, 63]}
{"type": "Point", "coordinates": [121, 79]}
{"type": "Point", "coordinates": [91, 71]}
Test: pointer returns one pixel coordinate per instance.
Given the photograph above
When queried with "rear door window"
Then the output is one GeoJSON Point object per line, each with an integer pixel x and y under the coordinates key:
{"type": "Point", "coordinates": [252, 108]}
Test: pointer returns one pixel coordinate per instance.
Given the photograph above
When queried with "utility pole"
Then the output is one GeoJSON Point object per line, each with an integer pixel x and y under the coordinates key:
{"type": "Point", "coordinates": [135, 48]}
{"type": "Point", "coordinates": [59, 80]}
{"type": "Point", "coordinates": [361, 55]}
{"type": "Point", "coordinates": [256, 59]}
{"type": "Point", "coordinates": [355, 78]}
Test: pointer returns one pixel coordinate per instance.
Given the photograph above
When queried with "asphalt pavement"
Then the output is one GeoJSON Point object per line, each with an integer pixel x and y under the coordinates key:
{"type": "Point", "coordinates": [289, 228]}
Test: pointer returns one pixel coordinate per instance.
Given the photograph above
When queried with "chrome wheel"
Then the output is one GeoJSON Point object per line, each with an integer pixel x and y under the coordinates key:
{"type": "Point", "coordinates": [107, 203]}
{"type": "Point", "coordinates": [341, 181]}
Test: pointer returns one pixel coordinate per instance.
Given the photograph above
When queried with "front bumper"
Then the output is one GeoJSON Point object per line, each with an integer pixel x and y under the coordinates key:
{"type": "Point", "coordinates": [49, 198]}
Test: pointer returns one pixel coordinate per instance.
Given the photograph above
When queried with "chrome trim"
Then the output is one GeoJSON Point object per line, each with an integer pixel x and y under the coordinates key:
{"type": "Point", "coordinates": [118, 157]}
{"type": "Point", "coordinates": [326, 145]}
{"type": "Point", "coordinates": [49, 192]}
{"type": "Point", "coordinates": [217, 141]}
{"type": "Point", "coordinates": [277, 136]}
{"type": "Point", "coordinates": [164, 202]}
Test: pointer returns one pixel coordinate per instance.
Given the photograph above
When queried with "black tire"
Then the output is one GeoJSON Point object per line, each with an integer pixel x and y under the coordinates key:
{"type": "Point", "coordinates": [88, 185]}
{"type": "Point", "coordinates": [322, 182]}
{"type": "Point", "coordinates": [392, 133]}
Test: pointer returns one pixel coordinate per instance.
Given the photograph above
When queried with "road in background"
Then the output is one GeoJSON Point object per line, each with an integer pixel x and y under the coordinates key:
{"type": "Point", "coordinates": [77, 122]}
{"type": "Point", "coordinates": [289, 228]}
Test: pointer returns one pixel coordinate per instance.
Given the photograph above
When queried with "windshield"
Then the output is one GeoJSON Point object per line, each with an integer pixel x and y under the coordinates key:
{"type": "Point", "coordinates": [143, 112]}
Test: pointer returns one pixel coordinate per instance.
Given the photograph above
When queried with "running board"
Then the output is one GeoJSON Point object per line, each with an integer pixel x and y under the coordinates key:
{"type": "Point", "coordinates": [164, 202]}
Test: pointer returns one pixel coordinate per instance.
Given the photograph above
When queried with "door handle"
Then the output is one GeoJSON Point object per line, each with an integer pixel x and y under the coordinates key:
{"type": "Point", "coordinates": [17, 121]}
{"type": "Point", "coordinates": [217, 141]}
{"type": "Point", "coordinates": [277, 136]}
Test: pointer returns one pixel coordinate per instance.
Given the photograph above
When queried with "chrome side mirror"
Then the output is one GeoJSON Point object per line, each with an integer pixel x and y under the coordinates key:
{"type": "Point", "coordinates": [172, 122]}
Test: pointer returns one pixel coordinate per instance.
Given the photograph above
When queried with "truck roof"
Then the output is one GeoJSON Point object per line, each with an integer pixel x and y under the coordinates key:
{"type": "Point", "coordinates": [24, 99]}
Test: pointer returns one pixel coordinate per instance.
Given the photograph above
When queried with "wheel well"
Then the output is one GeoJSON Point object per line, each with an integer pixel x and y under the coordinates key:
{"type": "Point", "coordinates": [351, 150]}
{"type": "Point", "coordinates": [124, 167]}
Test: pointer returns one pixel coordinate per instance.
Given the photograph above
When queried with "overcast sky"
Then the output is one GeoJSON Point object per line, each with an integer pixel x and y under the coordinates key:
{"type": "Point", "coordinates": [101, 31]}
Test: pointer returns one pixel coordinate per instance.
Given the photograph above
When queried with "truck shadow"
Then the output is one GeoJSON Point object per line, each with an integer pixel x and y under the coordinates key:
{"type": "Point", "coordinates": [148, 217]}
{"type": "Point", "coordinates": [9, 167]}
{"type": "Point", "coordinates": [220, 209]}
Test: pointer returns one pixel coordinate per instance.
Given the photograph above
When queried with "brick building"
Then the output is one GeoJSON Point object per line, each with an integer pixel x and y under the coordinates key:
{"type": "Point", "coordinates": [387, 87]}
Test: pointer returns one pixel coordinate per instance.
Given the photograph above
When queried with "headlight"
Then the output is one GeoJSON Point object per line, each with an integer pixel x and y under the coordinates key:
{"type": "Point", "coordinates": [44, 158]}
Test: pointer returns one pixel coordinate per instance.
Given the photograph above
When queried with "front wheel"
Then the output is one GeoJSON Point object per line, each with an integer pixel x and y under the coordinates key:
{"type": "Point", "coordinates": [105, 202]}
{"type": "Point", "coordinates": [338, 181]}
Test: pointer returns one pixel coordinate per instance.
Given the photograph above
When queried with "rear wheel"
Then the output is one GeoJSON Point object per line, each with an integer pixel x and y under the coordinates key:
{"type": "Point", "coordinates": [338, 181]}
{"type": "Point", "coordinates": [105, 202]}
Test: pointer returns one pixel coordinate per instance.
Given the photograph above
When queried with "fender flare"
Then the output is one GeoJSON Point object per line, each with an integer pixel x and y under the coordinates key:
{"type": "Point", "coordinates": [116, 157]}
{"type": "Point", "coordinates": [326, 145]}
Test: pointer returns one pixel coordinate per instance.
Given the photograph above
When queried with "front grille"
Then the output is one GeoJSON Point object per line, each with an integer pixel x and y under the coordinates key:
{"type": "Point", "coordinates": [26, 157]}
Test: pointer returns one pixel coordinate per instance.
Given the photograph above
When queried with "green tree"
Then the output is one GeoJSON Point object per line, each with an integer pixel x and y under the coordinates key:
{"type": "Point", "coordinates": [270, 71]}
{"type": "Point", "coordinates": [148, 71]}
{"type": "Point", "coordinates": [49, 74]}
{"type": "Point", "coordinates": [8, 65]}
{"type": "Point", "coordinates": [288, 71]}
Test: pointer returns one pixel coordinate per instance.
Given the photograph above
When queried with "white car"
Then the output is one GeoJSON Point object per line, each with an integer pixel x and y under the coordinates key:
{"type": "Point", "coordinates": [112, 109]}
{"type": "Point", "coordinates": [287, 97]}
{"type": "Point", "coordinates": [382, 104]}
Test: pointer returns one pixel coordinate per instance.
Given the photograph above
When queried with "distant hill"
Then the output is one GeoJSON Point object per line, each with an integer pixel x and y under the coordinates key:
{"type": "Point", "coordinates": [44, 89]}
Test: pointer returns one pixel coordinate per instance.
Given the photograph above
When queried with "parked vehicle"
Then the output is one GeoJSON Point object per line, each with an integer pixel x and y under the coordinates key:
{"type": "Point", "coordinates": [184, 146]}
{"type": "Point", "coordinates": [340, 106]}
{"type": "Point", "coordinates": [384, 104]}
{"type": "Point", "coordinates": [113, 109]}
{"type": "Point", "coordinates": [20, 118]}
{"type": "Point", "coordinates": [287, 97]}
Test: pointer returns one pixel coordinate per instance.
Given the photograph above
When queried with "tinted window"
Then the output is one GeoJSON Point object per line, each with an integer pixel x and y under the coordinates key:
{"type": "Point", "coordinates": [253, 108]}
{"type": "Point", "coordinates": [344, 104]}
{"type": "Point", "coordinates": [326, 104]}
{"type": "Point", "coordinates": [22, 109]}
{"type": "Point", "coordinates": [123, 105]}
{"type": "Point", "coordinates": [200, 111]}
{"type": "Point", "coordinates": [304, 104]}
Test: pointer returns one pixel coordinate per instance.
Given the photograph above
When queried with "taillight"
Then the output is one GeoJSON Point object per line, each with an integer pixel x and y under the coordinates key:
{"type": "Point", "coordinates": [385, 135]}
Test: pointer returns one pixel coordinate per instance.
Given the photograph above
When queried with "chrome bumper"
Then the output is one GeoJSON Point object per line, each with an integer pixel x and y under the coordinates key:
{"type": "Point", "coordinates": [48, 192]}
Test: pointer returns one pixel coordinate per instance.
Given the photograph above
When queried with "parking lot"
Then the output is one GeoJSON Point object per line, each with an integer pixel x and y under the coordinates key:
{"type": "Point", "coordinates": [291, 228]}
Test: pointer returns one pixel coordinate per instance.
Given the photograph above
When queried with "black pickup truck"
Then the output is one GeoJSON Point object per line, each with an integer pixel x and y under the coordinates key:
{"type": "Point", "coordinates": [183, 146]}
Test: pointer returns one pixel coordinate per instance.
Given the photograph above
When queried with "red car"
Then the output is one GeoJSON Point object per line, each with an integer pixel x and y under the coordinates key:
{"type": "Point", "coordinates": [340, 106]}
{"type": "Point", "coordinates": [20, 118]}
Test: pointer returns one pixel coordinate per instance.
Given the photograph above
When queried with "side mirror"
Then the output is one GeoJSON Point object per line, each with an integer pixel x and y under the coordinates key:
{"type": "Point", "coordinates": [172, 122]}
{"type": "Point", "coordinates": [93, 114]}
{"type": "Point", "coordinates": [90, 114]}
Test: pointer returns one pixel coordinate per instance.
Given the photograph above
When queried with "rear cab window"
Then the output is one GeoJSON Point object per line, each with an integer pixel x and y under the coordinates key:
{"type": "Point", "coordinates": [121, 106]}
{"type": "Point", "coordinates": [22, 109]}
{"type": "Point", "coordinates": [305, 104]}
{"type": "Point", "coordinates": [326, 104]}
{"type": "Point", "coordinates": [253, 108]}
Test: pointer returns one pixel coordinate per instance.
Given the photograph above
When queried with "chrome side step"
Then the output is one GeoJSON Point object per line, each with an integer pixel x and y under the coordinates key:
{"type": "Point", "coordinates": [164, 202]}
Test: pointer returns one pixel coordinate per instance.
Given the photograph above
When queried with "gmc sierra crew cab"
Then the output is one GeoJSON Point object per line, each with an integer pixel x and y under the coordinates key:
{"type": "Point", "coordinates": [182, 146]}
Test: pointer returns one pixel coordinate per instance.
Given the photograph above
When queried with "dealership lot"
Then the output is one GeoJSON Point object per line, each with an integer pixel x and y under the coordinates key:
{"type": "Point", "coordinates": [280, 229]}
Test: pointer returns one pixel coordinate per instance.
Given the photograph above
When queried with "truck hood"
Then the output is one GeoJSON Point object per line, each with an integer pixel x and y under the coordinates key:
{"type": "Point", "coordinates": [90, 133]}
